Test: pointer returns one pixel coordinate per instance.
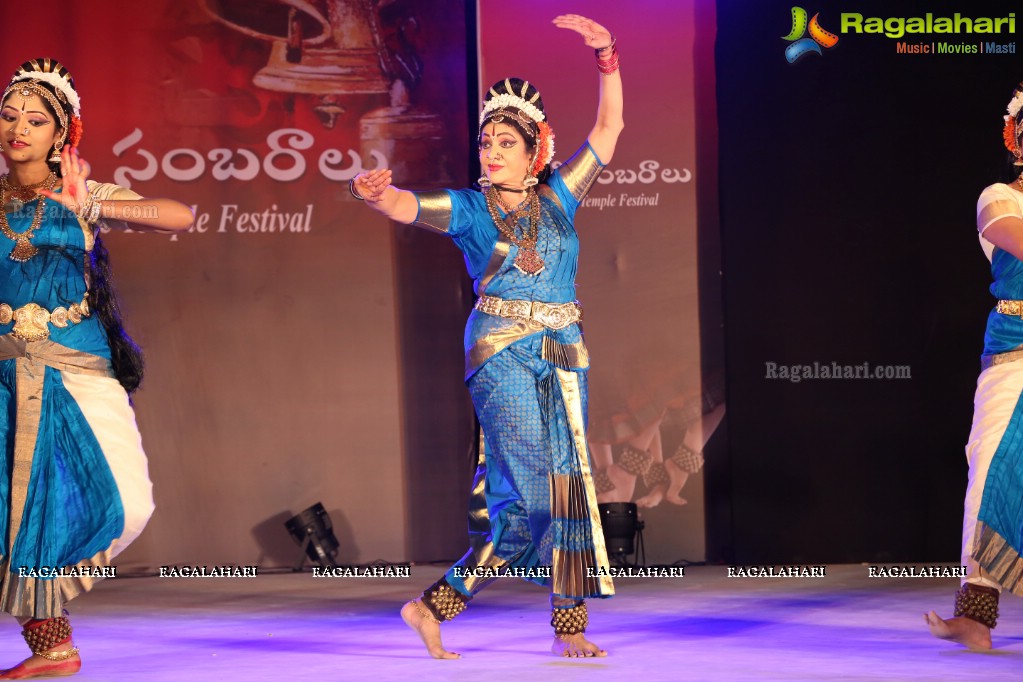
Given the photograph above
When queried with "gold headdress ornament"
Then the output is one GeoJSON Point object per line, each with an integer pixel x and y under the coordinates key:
{"type": "Point", "coordinates": [28, 80]}
{"type": "Point", "coordinates": [509, 99]}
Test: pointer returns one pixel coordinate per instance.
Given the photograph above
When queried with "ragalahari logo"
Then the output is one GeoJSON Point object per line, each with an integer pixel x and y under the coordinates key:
{"type": "Point", "coordinates": [801, 46]}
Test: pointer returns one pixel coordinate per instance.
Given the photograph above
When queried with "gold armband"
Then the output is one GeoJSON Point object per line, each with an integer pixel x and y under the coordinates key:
{"type": "Point", "coordinates": [581, 171]}
{"type": "Point", "coordinates": [434, 210]}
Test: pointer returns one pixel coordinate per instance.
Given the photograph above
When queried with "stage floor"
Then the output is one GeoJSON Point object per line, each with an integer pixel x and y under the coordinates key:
{"type": "Point", "coordinates": [705, 626]}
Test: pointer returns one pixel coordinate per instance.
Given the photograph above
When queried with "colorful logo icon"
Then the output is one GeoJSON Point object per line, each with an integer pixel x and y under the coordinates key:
{"type": "Point", "coordinates": [801, 46]}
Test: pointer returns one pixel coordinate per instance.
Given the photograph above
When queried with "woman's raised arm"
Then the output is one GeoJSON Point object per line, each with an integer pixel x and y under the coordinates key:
{"type": "Point", "coordinates": [608, 127]}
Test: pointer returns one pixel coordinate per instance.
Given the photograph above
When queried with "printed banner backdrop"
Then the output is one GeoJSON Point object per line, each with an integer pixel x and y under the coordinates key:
{"type": "Point", "coordinates": [273, 329]}
{"type": "Point", "coordinates": [638, 277]}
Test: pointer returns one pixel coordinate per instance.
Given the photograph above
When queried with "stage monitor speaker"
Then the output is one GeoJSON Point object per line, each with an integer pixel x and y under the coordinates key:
{"type": "Point", "coordinates": [619, 520]}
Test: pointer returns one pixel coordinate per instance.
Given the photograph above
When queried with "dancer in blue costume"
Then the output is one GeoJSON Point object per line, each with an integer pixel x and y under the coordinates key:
{"type": "Point", "coordinates": [993, 519]}
{"type": "Point", "coordinates": [75, 488]}
{"type": "Point", "coordinates": [533, 510]}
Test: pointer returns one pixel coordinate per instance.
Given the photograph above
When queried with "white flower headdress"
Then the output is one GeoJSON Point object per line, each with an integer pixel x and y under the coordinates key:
{"type": "Point", "coordinates": [1015, 104]}
{"type": "Point", "coordinates": [53, 73]}
{"type": "Point", "coordinates": [506, 99]}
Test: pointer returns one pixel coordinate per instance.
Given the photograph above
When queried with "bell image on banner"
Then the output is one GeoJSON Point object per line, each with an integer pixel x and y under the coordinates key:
{"type": "Point", "coordinates": [333, 50]}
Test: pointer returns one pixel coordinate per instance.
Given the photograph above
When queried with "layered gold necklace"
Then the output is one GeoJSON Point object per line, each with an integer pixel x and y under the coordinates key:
{"type": "Point", "coordinates": [527, 261]}
{"type": "Point", "coordinates": [23, 248]}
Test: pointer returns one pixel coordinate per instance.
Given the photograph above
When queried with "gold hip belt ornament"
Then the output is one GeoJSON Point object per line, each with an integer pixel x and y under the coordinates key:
{"type": "Point", "coordinates": [1010, 308]}
{"type": "Point", "coordinates": [550, 315]}
{"type": "Point", "coordinates": [30, 320]}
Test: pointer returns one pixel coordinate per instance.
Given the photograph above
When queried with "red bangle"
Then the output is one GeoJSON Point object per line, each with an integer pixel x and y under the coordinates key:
{"type": "Point", "coordinates": [609, 65]}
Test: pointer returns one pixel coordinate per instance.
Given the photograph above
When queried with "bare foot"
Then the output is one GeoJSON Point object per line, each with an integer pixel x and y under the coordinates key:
{"type": "Point", "coordinates": [965, 631]}
{"type": "Point", "coordinates": [676, 479]}
{"type": "Point", "coordinates": [36, 666]}
{"type": "Point", "coordinates": [652, 498]}
{"type": "Point", "coordinates": [625, 484]}
{"type": "Point", "coordinates": [576, 646]}
{"type": "Point", "coordinates": [428, 629]}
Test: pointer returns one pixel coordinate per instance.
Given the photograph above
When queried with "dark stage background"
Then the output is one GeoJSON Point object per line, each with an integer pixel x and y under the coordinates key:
{"type": "Point", "coordinates": [847, 194]}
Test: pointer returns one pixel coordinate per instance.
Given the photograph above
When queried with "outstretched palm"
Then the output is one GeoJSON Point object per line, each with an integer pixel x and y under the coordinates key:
{"type": "Point", "coordinates": [594, 35]}
{"type": "Point", "coordinates": [74, 172]}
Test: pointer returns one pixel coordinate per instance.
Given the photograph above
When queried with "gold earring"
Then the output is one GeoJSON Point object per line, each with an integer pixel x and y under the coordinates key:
{"type": "Point", "coordinates": [55, 155]}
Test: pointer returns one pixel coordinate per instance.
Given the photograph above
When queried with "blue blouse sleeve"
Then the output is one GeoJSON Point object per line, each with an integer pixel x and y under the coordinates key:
{"type": "Point", "coordinates": [462, 215]}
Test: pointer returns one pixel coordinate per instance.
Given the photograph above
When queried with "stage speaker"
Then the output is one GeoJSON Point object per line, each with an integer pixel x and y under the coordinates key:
{"type": "Point", "coordinates": [619, 520]}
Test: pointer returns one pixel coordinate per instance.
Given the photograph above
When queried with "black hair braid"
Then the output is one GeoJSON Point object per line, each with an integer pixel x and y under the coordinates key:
{"type": "Point", "coordinates": [125, 355]}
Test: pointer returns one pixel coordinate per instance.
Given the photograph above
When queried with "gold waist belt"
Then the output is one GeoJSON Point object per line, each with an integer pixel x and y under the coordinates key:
{"type": "Point", "coordinates": [30, 320]}
{"type": "Point", "coordinates": [550, 315]}
{"type": "Point", "coordinates": [1010, 308]}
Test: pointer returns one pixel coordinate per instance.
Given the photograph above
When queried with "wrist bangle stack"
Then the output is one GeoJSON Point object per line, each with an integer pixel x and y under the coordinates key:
{"type": "Point", "coordinates": [90, 210]}
{"type": "Point", "coordinates": [607, 58]}
{"type": "Point", "coordinates": [351, 188]}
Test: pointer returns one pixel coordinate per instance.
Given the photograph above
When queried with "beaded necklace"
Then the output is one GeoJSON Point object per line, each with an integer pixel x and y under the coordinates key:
{"type": "Point", "coordinates": [23, 248]}
{"type": "Point", "coordinates": [527, 261]}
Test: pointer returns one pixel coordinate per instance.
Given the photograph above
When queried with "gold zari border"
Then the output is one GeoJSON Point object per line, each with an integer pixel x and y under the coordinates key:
{"type": "Point", "coordinates": [567, 355]}
{"type": "Point", "coordinates": [25, 597]}
{"type": "Point", "coordinates": [574, 573]}
{"type": "Point", "coordinates": [1000, 559]}
{"type": "Point", "coordinates": [1001, 358]}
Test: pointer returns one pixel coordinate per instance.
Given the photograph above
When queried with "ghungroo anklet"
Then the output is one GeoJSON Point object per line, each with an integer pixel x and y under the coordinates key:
{"type": "Point", "coordinates": [655, 475]}
{"type": "Point", "coordinates": [570, 621]}
{"type": "Point", "coordinates": [978, 603]}
{"type": "Point", "coordinates": [687, 459]}
{"type": "Point", "coordinates": [634, 461]}
{"type": "Point", "coordinates": [602, 483]}
{"type": "Point", "coordinates": [444, 601]}
{"type": "Point", "coordinates": [42, 634]}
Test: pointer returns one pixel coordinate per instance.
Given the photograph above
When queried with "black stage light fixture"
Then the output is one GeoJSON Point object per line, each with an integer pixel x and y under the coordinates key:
{"type": "Point", "coordinates": [313, 530]}
{"type": "Point", "coordinates": [621, 524]}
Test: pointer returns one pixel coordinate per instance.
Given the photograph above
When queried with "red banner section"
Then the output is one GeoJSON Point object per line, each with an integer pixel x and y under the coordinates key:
{"type": "Point", "coordinates": [271, 326]}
